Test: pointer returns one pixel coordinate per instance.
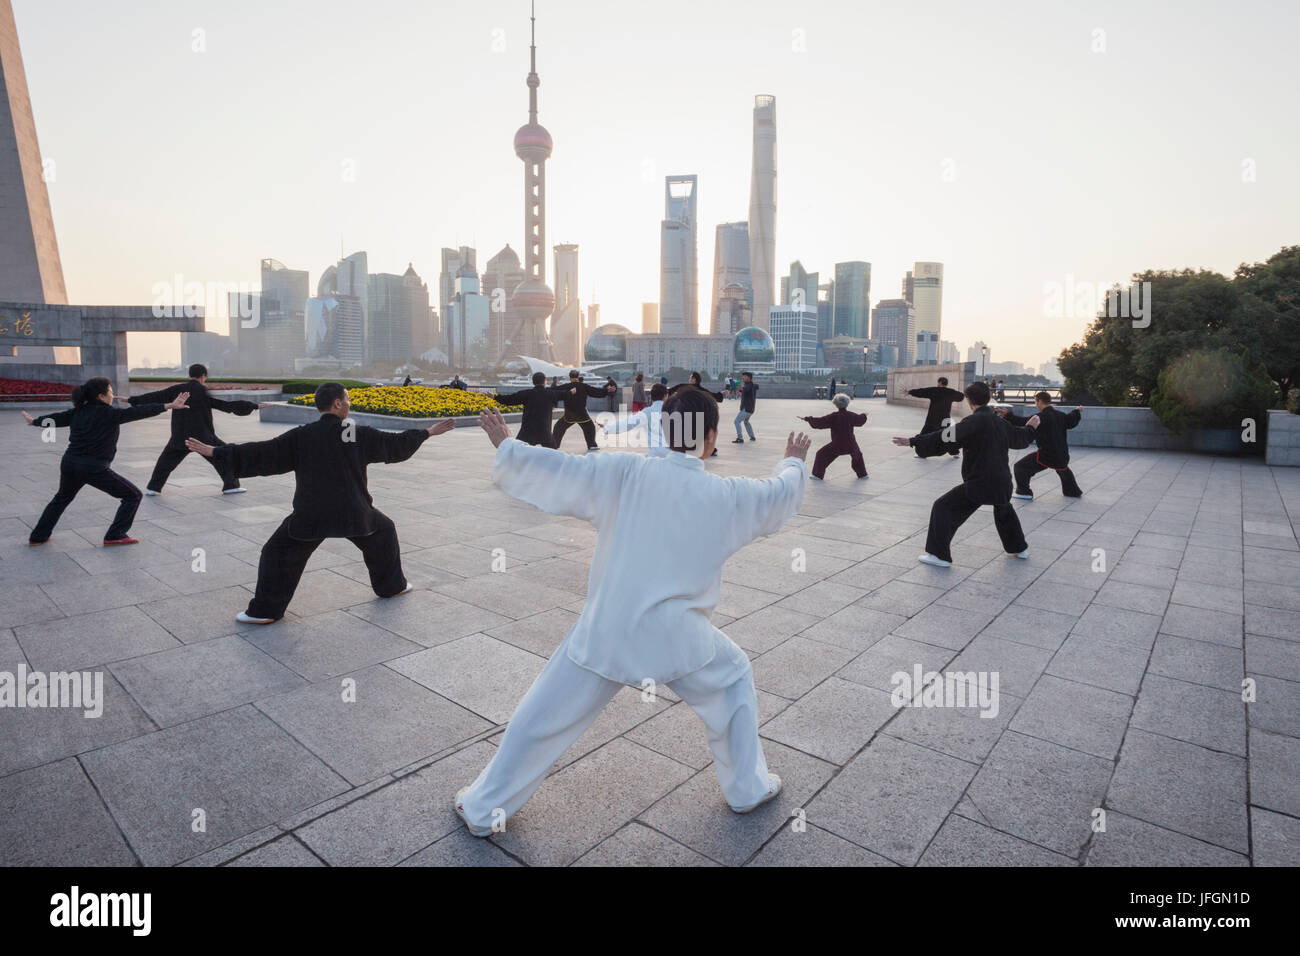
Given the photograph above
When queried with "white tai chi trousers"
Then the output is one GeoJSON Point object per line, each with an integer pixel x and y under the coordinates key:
{"type": "Point", "coordinates": [566, 698]}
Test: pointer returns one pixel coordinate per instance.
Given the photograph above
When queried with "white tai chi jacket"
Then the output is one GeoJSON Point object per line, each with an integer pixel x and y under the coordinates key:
{"type": "Point", "coordinates": [665, 526]}
{"type": "Point", "coordinates": [649, 419]}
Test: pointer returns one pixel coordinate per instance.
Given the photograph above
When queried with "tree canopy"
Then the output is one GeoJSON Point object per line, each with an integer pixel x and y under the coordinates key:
{"type": "Point", "coordinates": [1255, 314]}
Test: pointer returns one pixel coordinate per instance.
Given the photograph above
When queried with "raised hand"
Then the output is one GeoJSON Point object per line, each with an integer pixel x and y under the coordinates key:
{"type": "Point", "coordinates": [439, 428]}
{"type": "Point", "coordinates": [796, 446]}
{"type": "Point", "coordinates": [494, 423]}
{"type": "Point", "coordinates": [901, 441]}
{"type": "Point", "coordinates": [179, 401]}
{"type": "Point", "coordinates": [29, 418]}
{"type": "Point", "coordinates": [1079, 409]}
{"type": "Point", "coordinates": [194, 445]}
{"type": "Point", "coordinates": [262, 405]}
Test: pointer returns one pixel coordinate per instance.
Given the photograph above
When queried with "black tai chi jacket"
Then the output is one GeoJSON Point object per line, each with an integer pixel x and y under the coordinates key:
{"type": "Point", "coordinates": [1053, 446]}
{"type": "Point", "coordinates": [329, 459]}
{"type": "Point", "coordinates": [941, 400]}
{"type": "Point", "coordinates": [575, 404]}
{"type": "Point", "coordinates": [538, 402]}
{"type": "Point", "coordinates": [984, 438]}
{"type": "Point", "coordinates": [197, 421]}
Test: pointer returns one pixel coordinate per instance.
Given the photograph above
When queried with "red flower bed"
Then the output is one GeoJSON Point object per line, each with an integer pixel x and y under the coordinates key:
{"type": "Point", "coordinates": [22, 390]}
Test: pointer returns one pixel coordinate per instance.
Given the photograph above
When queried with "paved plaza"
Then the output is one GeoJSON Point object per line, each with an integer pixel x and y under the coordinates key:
{"type": "Point", "coordinates": [340, 735]}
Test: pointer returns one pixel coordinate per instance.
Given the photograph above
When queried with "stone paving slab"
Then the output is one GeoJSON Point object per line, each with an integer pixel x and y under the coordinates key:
{"type": "Point", "coordinates": [1120, 647]}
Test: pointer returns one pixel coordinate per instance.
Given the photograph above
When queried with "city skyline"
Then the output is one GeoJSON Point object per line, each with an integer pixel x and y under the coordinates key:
{"type": "Point", "coordinates": [1025, 196]}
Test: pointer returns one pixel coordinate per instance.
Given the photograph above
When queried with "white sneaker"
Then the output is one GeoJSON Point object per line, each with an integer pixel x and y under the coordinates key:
{"type": "Point", "coordinates": [1023, 497]}
{"type": "Point", "coordinates": [150, 493]}
{"type": "Point", "coordinates": [406, 590]}
{"type": "Point", "coordinates": [773, 788]}
{"type": "Point", "coordinates": [233, 491]}
{"type": "Point", "coordinates": [928, 558]}
{"type": "Point", "coordinates": [477, 831]}
{"type": "Point", "coordinates": [243, 618]}
{"type": "Point", "coordinates": [1024, 554]}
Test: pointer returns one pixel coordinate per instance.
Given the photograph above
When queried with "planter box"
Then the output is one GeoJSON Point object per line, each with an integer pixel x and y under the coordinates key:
{"type": "Point", "coordinates": [1283, 439]}
{"type": "Point", "coordinates": [1216, 441]}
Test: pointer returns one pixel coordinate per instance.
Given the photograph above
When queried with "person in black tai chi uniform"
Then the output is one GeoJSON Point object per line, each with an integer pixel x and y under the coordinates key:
{"type": "Point", "coordinates": [941, 400]}
{"type": "Point", "coordinates": [92, 444]}
{"type": "Point", "coordinates": [1053, 447]}
{"type": "Point", "coordinates": [575, 396]}
{"type": "Point", "coordinates": [538, 402]}
{"type": "Point", "coordinates": [696, 380]}
{"type": "Point", "coordinates": [197, 424]}
{"type": "Point", "coordinates": [986, 479]}
{"type": "Point", "coordinates": [330, 500]}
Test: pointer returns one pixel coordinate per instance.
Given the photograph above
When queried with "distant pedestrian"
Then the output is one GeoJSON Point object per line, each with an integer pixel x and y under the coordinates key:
{"type": "Point", "coordinates": [748, 401]}
{"type": "Point", "coordinates": [638, 393]}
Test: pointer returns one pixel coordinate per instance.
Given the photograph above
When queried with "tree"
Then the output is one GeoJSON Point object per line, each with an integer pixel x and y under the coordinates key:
{"type": "Point", "coordinates": [1270, 315]}
{"type": "Point", "coordinates": [1121, 356]}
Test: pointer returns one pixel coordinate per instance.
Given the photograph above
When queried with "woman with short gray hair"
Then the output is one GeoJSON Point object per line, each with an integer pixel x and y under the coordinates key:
{"type": "Point", "coordinates": [841, 423]}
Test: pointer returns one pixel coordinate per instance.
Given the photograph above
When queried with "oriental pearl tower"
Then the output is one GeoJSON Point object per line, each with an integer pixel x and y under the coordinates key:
{"type": "Point", "coordinates": [532, 301]}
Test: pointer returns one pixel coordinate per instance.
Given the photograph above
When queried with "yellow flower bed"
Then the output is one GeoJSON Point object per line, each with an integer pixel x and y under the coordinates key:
{"type": "Point", "coordinates": [416, 401]}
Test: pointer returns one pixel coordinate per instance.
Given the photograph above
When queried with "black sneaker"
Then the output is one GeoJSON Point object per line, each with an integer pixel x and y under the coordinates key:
{"type": "Point", "coordinates": [738, 441]}
{"type": "Point", "coordinates": [752, 438]}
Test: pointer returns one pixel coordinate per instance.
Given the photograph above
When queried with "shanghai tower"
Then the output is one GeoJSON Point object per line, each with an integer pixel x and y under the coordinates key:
{"type": "Point", "coordinates": [762, 210]}
{"type": "Point", "coordinates": [532, 301]}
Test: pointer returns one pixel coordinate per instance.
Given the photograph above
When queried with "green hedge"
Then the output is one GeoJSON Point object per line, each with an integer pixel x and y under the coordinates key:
{"type": "Point", "coordinates": [290, 386]}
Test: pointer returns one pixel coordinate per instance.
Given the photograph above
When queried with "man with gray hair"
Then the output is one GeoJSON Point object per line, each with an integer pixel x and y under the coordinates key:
{"type": "Point", "coordinates": [841, 423]}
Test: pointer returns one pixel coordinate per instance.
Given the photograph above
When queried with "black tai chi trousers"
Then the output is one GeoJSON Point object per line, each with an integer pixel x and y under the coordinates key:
{"type": "Point", "coordinates": [172, 456]}
{"type": "Point", "coordinates": [950, 513]}
{"type": "Point", "coordinates": [73, 476]}
{"type": "Point", "coordinates": [588, 431]}
{"type": "Point", "coordinates": [284, 558]}
{"type": "Point", "coordinates": [1029, 466]}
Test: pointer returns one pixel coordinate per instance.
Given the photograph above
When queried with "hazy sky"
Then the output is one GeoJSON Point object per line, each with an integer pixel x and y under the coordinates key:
{"type": "Point", "coordinates": [1011, 141]}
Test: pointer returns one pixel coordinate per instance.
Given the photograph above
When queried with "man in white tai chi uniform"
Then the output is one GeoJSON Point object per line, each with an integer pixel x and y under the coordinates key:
{"type": "Point", "coordinates": [648, 420]}
{"type": "Point", "coordinates": [640, 623]}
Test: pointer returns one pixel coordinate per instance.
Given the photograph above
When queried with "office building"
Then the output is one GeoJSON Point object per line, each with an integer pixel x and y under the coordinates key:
{"type": "Point", "coordinates": [794, 337]}
{"type": "Point", "coordinates": [762, 208]}
{"type": "Point", "coordinates": [852, 302]}
{"type": "Point", "coordinates": [679, 289]}
{"type": "Point", "coordinates": [730, 267]}
{"type": "Point", "coordinates": [893, 323]}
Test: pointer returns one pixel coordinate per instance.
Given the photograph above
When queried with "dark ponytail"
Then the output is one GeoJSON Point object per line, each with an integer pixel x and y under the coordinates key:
{"type": "Point", "coordinates": [83, 395]}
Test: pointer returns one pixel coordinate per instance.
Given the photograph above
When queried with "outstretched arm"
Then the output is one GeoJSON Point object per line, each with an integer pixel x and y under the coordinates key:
{"type": "Point", "coordinates": [255, 458]}
{"type": "Point", "coordinates": [626, 423]}
{"type": "Point", "coordinates": [931, 444]}
{"type": "Point", "coordinates": [823, 422]}
{"type": "Point", "coordinates": [1022, 436]}
{"type": "Point", "coordinates": [392, 447]}
{"type": "Point", "coordinates": [160, 397]}
{"type": "Point", "coordinates": [762, 505]}
{"type": "Point", "coordinates": [513, 398]}
{"type": "Point", "coordinates": [61, 419]}
{"type": "Point", "coordinates": [123, 415]}
{"type": "Point", "coordinates": [235, 406]}
{"type": "Point", "coordinates": [559, 484]}
{"type": "Point", "coordinates": [1074, 417]}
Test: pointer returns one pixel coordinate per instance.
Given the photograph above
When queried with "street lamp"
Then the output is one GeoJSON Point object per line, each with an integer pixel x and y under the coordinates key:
{"type": "Point", "coordinates": [865, 350]}
{"type": "Point", "coordinates": [984, 354]}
